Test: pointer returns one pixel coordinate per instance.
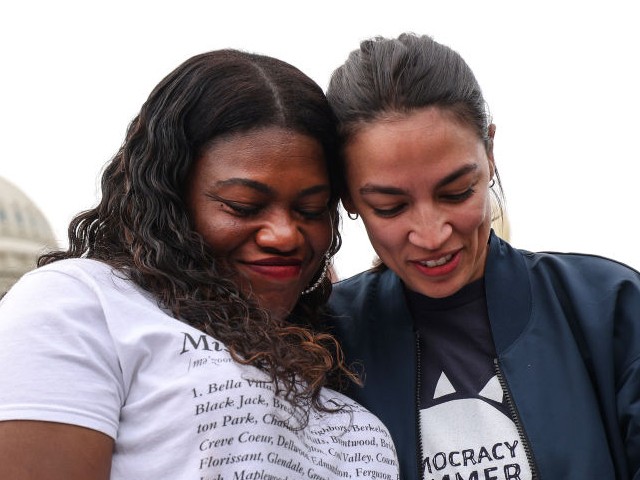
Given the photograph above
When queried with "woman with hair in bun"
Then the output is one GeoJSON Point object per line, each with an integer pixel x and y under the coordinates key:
{"type": "Point", "coordinates": [484, 361]}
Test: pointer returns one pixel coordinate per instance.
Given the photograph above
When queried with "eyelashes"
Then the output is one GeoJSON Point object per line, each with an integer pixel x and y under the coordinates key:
{"type": "Point", "coordinates": [389, 212]}
{"type": "Point", "coordinates": [240, 209]}
{"type": "Point", "coordinates": [247, 210]}
{"type": "Point", "coordinates": [460, 197]}
{"type": "Point", "coordinates": [452, 198]}
{"type": "Point", "coordinates": [310, 214]}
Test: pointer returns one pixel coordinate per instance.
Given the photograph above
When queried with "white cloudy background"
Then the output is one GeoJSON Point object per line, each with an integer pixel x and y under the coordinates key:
{"type": "Point", "coordinates": [562, 79]}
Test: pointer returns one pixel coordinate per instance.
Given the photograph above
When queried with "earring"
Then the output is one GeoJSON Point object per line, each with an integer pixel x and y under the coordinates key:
{"type": "Point", "coordinates": [352, 216]}
{"type": "Point", "coordinates": [323, 275]}
{"type": "Point", "coordinates": [492, 182]}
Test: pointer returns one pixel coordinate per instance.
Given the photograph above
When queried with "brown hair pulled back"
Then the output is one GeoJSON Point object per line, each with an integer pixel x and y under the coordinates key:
{"type": "Point", "coordinates": [391, 76]}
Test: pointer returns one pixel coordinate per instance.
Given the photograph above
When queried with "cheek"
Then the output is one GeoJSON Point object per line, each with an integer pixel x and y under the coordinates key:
{"type": "Point", "coordinates": [385, 236]}
{"type": "Point", "coordinates": [220, 234]}
{"type": "Point", "coordinates": [473, 219]}
{"type": "Point", "coordinates": [320, 238]}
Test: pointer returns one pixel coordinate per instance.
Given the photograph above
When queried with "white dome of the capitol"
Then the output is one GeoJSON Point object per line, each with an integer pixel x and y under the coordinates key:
{"type": "Point", "coordinates": [24, 234]}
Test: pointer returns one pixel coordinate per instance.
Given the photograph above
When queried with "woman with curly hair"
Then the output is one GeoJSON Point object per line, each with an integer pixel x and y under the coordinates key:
{"type": "Point", "coordinates": [178, 335]}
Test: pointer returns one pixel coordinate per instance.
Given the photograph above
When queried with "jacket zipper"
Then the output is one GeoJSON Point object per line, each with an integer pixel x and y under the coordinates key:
{"type": "Point", "coordinates": [418, 384]}
{"type": "Point", "coordinates": [516, 419]}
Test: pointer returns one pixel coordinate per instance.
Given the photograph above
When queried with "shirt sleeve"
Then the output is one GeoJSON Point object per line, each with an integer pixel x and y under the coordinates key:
{"type": "Point", "coordinates": [58, 359]}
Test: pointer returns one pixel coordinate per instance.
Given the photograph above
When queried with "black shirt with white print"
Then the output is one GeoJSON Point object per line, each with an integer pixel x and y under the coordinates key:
{"type": "Point", "coordinates": [466, 430]}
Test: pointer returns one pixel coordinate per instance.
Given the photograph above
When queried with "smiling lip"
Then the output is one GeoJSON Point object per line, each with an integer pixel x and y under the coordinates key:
{"type": "Point", "coordinates": [438, 266]}
{"type": "Point", "coordinates": [276, 268]}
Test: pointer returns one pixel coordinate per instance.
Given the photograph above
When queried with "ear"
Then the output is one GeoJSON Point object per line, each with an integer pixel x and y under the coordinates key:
{"type": "Point", "coordinates": [492, 163]}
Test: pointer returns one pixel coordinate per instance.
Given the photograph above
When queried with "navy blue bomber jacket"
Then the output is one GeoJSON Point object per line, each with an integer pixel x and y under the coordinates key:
{"type": "Point", "coordinates": [567, 334]}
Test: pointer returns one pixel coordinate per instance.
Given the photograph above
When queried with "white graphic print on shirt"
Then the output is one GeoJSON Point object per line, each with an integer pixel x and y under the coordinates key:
{"type": "Point", "coordinates": [244, 428]}
{"type": "Point", "coordinates": [172, 398]}
{"type": "Point", "coordinates": [466, 424]}
{"type": "Point", "coordinates": [469, 438]}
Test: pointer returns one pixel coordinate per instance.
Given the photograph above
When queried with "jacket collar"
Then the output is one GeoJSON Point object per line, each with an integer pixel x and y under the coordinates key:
{"type": "Point", "coordinates": [508, 291]}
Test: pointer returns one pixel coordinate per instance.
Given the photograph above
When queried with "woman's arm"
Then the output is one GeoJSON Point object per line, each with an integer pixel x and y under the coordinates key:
{"type": "Point", "coordinates": [31, 450]}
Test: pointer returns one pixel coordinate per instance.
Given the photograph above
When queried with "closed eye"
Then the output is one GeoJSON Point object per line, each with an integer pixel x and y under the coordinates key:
{"type": "Point", "coordinates": [243, 210]}
{"type": "Point", "coordinates": [459, 197]}
{"type": "Point", "coordinates": [237, 208]}
{"type": "Point", "coordinates": [389, 212]}
{"type": "Point", "coordinates": [313, 213]}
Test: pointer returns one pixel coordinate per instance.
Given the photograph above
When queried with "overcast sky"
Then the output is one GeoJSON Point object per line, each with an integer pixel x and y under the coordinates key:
{"type": "Point", "coordinates": [562, 79]}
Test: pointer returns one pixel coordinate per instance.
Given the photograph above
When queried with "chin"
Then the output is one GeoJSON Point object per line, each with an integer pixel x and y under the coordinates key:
{"type": "Point", "coordinates": [439, 291]}
{"type": "Point", "coordinates": [277, 299]}
{"type": "Point", "coordinates": [278, 309]}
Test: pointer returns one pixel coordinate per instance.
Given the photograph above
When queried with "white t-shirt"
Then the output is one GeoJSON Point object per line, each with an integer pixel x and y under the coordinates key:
{"type": "Point", "coordinates": [79, 345]}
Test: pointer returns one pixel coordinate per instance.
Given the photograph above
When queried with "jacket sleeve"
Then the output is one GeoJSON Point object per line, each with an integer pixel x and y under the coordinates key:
{"type": "Point", "coordinates": [627, 353]}
{"type": "Point", "coordinates": [600, 298]}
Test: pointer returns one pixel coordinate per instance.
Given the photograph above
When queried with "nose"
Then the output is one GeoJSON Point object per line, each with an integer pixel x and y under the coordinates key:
{"type": "Point", "coordinates": [430, 228]}
{"type": "Point", "coordinates": [279, 233]}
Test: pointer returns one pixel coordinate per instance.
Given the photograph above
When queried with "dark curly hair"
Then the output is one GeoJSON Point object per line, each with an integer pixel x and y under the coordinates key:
{"type": "Point", "coordinates": [142, 229]}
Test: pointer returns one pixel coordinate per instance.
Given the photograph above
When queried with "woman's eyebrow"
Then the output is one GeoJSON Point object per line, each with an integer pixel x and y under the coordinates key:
{"type": "Point", "coordinates": [315, 190]}
{"type": "Point", "coordinates": [245, 182]}
{"type": "Point", "coordinates": [452, 177]}
{"type": "Point", "coordinates": [266, 189]}
{"type": "Point", "coordinates": [372, 188]}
